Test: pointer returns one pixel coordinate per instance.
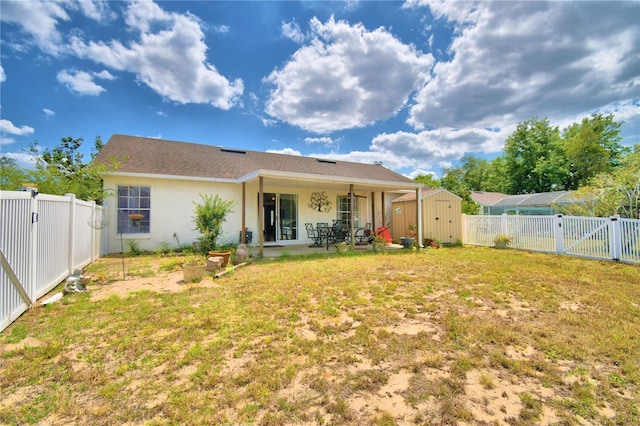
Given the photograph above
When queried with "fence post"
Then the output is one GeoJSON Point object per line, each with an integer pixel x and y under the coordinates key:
{"type": "Point", "coordinates": [503, 224]}
{"type": "Point", "coordinates": [72, 230]}
{"type": "Point", "coordinates": [464, 228]}
{"type": "Point", "coordinates": [615, 238]}
{"type": "Point", "coordinates": [558, 233]}
{"type": "Point", "coordinates": [31, 283]}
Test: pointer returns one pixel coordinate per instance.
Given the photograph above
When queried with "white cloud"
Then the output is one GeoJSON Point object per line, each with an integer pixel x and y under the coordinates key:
{"type": "Point", "coordinates": [3, 76]}
{"type": "Point", "coordinates": [48, 113]}
{"type": "Point", "coordinates": [39, 21]}
{"type": "Point", "coordinates": [516, 60]}
{"type": "Point", "coordinates": [80, 82]}
{"type": "Point", "coordinates": [286, 151]}
{"type": "Point", "coordinates": [23, 160]}
{"type": "Point", "coordinates": [325, 140]}
{"type": "Point", "coordinates": [291, 30]}
{"type": "Point", "coordinates": [169, 57]}
{"type": "Point", "coordinates": [7, 126]}
{"type": "Point", "coordinates": [335, 82]}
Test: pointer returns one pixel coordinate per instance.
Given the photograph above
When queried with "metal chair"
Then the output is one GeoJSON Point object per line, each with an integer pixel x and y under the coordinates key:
{"type": "Point", "coordinates": [364, 235]}
{"type": "Point", "coordinates": [314, 235]}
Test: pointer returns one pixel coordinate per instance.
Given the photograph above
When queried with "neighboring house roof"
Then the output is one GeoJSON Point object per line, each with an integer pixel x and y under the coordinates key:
{"type": "Point", "coordinates": [164, 158]}
{"type": "Point", "coordinates": [424, 193]}
{"type": "Point", "coordinates": [487, 198]}
{"type": "Point", "coordinates": [542, 199]}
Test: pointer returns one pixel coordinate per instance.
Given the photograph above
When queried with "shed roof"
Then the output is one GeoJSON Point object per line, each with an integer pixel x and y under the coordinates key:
{"type": "Point", "coordinates": [165, 158]}
{"type": "Point", "coordinates": [424, 193]}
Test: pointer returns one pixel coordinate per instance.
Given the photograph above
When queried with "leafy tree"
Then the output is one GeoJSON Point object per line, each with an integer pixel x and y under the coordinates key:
{"type": "Point", "coordinates": [610, 194]}
{"type": "Point", "coordinates": [208, 217]}
{"type": "Point", "coordinates": [62, 170]}
{"type": "Point", "coordinates": [453, 181]}
{"type": "Point", "coordinates": [12, 176]}
{"type": "Point", "coordinates": [428, 180]}
{"type": "Point", "coordinates": [534, 158]}
{"type": "Point", "coordinates": [497, 177]}
{"type": "Point", "coordinates": [592, 147]}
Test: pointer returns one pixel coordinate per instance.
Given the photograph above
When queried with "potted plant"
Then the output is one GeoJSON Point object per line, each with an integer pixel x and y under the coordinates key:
{"type": "Point", "coordinates": [502, 241]}
{"type": "Point", "coordinates": [193, 270]}
{"type": "Point", "coordinates": [136, 218]}
{"type": "Point", "coordinates": [209, 215]}
{"type": "Point", "coordinates": [409, 240]}
{"type": "Point", "coordinates": [379, 243]}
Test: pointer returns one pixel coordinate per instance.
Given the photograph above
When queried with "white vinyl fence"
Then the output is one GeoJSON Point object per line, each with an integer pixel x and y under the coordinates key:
{"type": "Point", "coordinates": [610, 238]}
{"type": "Point", "coordinates": [43, 239]}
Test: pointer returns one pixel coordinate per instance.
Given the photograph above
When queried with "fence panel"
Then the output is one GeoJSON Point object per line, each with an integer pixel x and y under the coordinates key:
{"type": "Point", "coordinates": [531, 232]}
{"type": "Point", "coordinates": [43, 237]}
{"type": "Point", "coordinates": [15, 244]}
{"type": "Point", "coordinates": [591, 237]}
{"type": "Point", "coordinates": [630, 240]}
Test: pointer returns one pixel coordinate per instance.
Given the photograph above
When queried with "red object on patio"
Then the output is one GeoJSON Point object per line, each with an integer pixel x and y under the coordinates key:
{"type": "Point", "coordinates": [384, 231]}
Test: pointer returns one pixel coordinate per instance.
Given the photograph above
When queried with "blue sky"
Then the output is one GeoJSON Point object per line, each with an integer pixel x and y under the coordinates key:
{"type": "Point", "coordinates": [414, 84]}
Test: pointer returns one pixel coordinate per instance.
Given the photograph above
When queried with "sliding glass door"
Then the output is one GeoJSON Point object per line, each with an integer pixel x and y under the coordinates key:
{"type": "Point", "coordinates": [280, 217]}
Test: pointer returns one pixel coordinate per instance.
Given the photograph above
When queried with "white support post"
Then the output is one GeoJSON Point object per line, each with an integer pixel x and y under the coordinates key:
{"type": "Point", "coordinates": [558, 233]}
{"type": "Point", "coordinates": [31, 284]}
{"type": "Point", "coordinates": [72, 230]}
{"type": "Point", "coordinates": [464, 228]}
{"type": "Point", "coordinates": [615, 238]}
{"type": "Point", "coordinates": [503, 224]}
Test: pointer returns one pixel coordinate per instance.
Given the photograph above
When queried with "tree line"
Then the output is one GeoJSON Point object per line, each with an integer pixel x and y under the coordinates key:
{"type": "Point", "coordinates": [586, 157]}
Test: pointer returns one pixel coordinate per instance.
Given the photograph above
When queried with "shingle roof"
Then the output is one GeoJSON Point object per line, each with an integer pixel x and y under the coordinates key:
{"type": "Point", "coordinates": [172, 158]}
{"type": "Point", "coordinates": [538, 199]}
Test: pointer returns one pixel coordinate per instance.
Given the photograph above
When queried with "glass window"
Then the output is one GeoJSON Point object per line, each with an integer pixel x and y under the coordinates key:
{"type": "Point", "coordinates": [342, 211]}
{"type": "Point", "coordinates": [134, 209]}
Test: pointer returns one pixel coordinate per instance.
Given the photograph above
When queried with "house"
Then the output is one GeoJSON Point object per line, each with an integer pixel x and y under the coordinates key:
{"type": "Point", "coordinates": [486, 199]}
{"type": "Point", "coordinates": [441, 213]}
{"type": "Point", "coordinates": [542, 203]}
{"type": "Point", "coordinates": [274, 194]}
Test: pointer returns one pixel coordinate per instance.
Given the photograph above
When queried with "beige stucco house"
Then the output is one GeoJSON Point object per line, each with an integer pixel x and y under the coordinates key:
{"type": "Point", "coordinates": [274, 194]}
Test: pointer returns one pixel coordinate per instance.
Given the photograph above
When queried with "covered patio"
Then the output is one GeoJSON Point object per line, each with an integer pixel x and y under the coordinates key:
{"type": "Point", "coordinates": [304, 249]}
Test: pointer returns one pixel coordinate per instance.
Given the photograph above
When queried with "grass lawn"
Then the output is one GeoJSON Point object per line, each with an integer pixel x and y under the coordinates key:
{"type": "Point", "coordinates": [450, 336]}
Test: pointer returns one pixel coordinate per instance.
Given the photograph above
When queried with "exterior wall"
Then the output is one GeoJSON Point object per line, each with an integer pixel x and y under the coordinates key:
{"type": "Point", "coordinates": [172, 203]}
{"type": "Point", "coordinates": [441, 217]}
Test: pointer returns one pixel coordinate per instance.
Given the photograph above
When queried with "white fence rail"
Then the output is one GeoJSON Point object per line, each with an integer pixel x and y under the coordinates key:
{"type": "Point", "coordinates": [610, 238]}
{"type": "Point", "coordinates": [43, 239]}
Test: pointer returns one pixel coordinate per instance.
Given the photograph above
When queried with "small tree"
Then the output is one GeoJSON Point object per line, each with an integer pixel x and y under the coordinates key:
{"type": "Point", "coordinates": [209, 217]}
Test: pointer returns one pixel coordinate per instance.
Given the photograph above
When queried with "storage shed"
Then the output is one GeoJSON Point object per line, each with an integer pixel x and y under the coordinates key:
{"type": "Point", "coordinates": [441, 215]}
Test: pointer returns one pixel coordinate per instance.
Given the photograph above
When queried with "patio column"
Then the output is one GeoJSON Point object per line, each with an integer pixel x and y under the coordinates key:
{"type": "Point", "coordinates": [384, 210]}
{"type": "Point", "coordinates": [373, 211]}
{"type": "Point", "coordinates": [351, 225]}
{"type": "Point", "coordinates": [418, 219]}
{"type": "Point", "coordinates": [244, 211]}
{"type": "Point", "coordinates": [261, 217]}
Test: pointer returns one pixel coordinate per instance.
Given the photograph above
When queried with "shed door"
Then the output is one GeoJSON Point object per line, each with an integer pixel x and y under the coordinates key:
{"type": "Point", "coordinates": [444, 221]}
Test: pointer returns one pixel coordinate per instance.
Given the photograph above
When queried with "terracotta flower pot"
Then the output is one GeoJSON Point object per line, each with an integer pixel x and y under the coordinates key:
{"type": "Point", "coordinates": [223, 254]}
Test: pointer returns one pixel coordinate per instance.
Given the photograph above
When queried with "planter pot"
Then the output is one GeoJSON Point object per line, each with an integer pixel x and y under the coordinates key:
{"type": "Point", "coordinates": [378, 247]}
{"type": "Point", "coordinates": [225, 255]}
{"type": "Point", "coordinates": [407, 242]}
{"type": "Point", "coordinates": [501, 244]}
{"type": "Point", "coordinates": [192, 272]}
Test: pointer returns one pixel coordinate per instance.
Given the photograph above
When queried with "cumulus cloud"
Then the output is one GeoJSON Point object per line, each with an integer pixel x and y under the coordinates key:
{"type": "Point", "coordinates": [3, 76]}
{"type": "Point", "coordinates": [48, 113]}
{"type": "Point", "coordinates": [7, 126]}
{"type": "Point", "coordinates": [286, 151]}
{"type": "Point", "coordinates": [292, 31]}
{"type": "Point", "coordinates": [336, 81]}
{"type": "Point", "coordinates": [325, 140]}
{"type": "Point", "coordinates": [516, 60]}
{"type": "Point", "coordinates": [169, 57]}
{"type": "Point", "coordinates": [82, 82]}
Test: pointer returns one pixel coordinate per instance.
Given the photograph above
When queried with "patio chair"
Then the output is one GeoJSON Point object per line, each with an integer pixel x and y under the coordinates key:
{"type": "Point", "coordinates": [314, 235]}
{"type": "Point", "coordinates": [364, 235]}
